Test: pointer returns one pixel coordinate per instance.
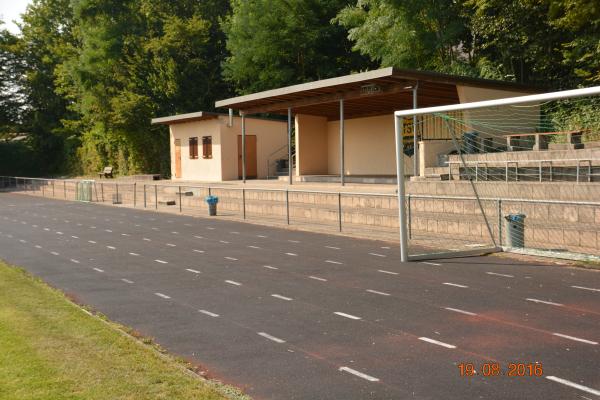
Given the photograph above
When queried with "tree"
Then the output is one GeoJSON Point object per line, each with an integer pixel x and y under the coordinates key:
{"type": "Point", "coordinates": [11, 95]}
{"type": "Point", "coordinates": [274, 43]}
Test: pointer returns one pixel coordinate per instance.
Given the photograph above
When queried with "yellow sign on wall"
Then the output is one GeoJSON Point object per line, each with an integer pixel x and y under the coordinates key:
{"type": "Point", "coordinates": [407, 131]}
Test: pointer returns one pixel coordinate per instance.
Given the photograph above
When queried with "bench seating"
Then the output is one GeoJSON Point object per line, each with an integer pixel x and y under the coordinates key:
{"type": "Point", "coordinates": [106, 173]}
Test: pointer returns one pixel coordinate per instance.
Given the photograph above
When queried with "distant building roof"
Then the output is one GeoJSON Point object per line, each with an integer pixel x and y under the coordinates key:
{"type": "Point", "coordinates": [177, 119]}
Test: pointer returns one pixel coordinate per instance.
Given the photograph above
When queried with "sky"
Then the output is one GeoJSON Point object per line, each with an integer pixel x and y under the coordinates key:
{"type": "Point", "coordinates": [11, 10]}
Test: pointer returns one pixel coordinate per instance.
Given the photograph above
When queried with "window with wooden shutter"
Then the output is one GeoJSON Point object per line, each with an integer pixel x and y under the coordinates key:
{"type": "Point", "coordinates": [206, 146]}
{"type": "Point", "coordinates": [193, 148]}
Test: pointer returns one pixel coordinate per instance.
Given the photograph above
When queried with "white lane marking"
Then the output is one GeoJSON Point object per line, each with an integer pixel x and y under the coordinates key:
{"type": "Point", "coordinates": [273, 338]}
{"type": "Point", "coordinates": [350, 316]}
{"type": "Point", "coordinates": [575, 338]}
{"type": "Point", "coordinates": [210, 314]}
{"type": "Point", "coordinates": [574, 385]}
{"type": "Point", "coordinates": [278, 296]}
{"type": "Point", "coordinates": [333, 262]}
{"type": "Point", "coordinates": [134, 254]}
{"type": "Point", "coordinates": [146, 239]}
{"type": "Point", "coordinates": [586, 288]}
{"type": "Point", "coordinates": [224, 241]}
{"type": "Point", "coordinates": [433, 341]}
{"type": "Point", "coordinates": [544, 302]}
{"type": "Point", "coordinates": [293, 241]}
{"type": "Point", "coordinates": [316, 278]}
{"type": "Point", "coordinates": [198, 251]}
{"type": "Point", "coordinates": [210, 228]}
{"type": "Point", "coordinates": [74, 261]}
{"type": "Point", "coordinates": [35, 226]}
{"type": "Point", "coordinates": [261, 236]}
{"type": "Point", "coordinates": [91, 241]}
{"type": "Point", "coordinates": [78, 224]}
{"type": "Point", "coordinates": [46, 229]}
{"type": "Point", "coordinates": [497, 274]}
{"type": "Point", "coordinates": [125, 234]}
{"type": "Point", "coordinates": [54, 253]}
{"type": "Point", "coordinates": [431, 263]}
{"type": "Point", "coordinates": [231, 258]}
{"type": "Point", "coordinates": [455, 285]}
{"type": "Point", "coordinates": [175, 233]}
{"type": "Point", "coordinates": [164, 296]}
{"type": "Point", "coordinates": [111, 247]}
{"type": "Point", "coordinates": [332, 247]}
{"type": "Point", "coordinates": [254, 247]}
{"type": "Point", "coordinates": [92, 227]}
{"type": "Point", "coordinates": [359, 374]}
{"type": "Point", "coordinates": [385, 247]}
{"type": "Point", "coordinates": [22, 240]}
{"type": "Point", "coordinates": [199, 237]}
{"type": "Point", "coordinates": [37, 246]}
{"type": "Point", "coordinates": [192, 270]}
{"type": "Point", "coordinates": [98, 269]}
{"type": "Point", "coordinates": [161, 261]}
{"type": "Point", "coordinates": [291, 254]}
{"type": "Point", "coordinates": [138, 225]}
{"type": "Point", "coordinates": [234, 283]}
{"type": "Point", "coordinates": [127, 281]}
{"type": "Point", "coordinates": [460, 311]}
{"type": "Point", "coordinates": [234, 233]}
{"type": "Point", "coordinates": [377, 255]}
{"type": "Point", "coordinates": [155, 229]}
{"type": "Point", "coordinates": [387, 272]}
{"type": "Point", "coordinates": [75, 237]}
{"type": "Point", "coordinates": [378, 292]}
{"type": "Point", "coordinates": [269, 267]}
{"type": "Point", "coordinates": [108, 230]}
{"type": "Point", "coordinates": [171, 245]}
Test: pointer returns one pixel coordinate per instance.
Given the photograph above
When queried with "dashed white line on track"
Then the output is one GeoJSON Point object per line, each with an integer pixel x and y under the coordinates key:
{"type": "Point", "coordinates": [224, 241]}
{"type": "Point", "coordinates": [586, 288]}
{"type": "Point", "coordinates": [269, 267]}
{"type": "Point", "coordinates": [350, 316]}
{"type": "Point", "coordinates": [210, 228]}
{"type": "Point", "coordinates": [332, 247]}
{"type": "Point", "coordinates": [377, 255]}
{"type": "Point", "coordinates": [460, 311]}
{"type": "Point", "coordinates": [22, 240]}
{"type": "Point", "coordinates": [431, 263]}
{"type": "Point", "coordinates": [75, 237]}
{"type": "Point", "coordinates": [544, 302]}
{"type": "Point", "coordinates": [378, 292]}
{"type": "Point", "coordinates": [133, 254]}
{"type": "Point", "coordinates": [234, 233]}
{"type": "Point", "coordinates": [291, 254]}
{"type": "Point", "coordinates": [272, 338]}
{"type": "Point", "coordinates": [333, 262]}
{"type": "Point", "coordinates": [147, 240]}
{"type": "Point", "coordinates": [231, 258]}
{"type": "Point", "coordinates": [98, 269]}
{"type": "Point", "coordinates": [359, 374]}
{"type": "Point", "coordinates": [108, 230]}
{"type": "Point", "coordinates": [74, 261]}
{"type": "Point", "coordinates": [199, 237]}
{"type": "Point", "coordinates": [387, 272]}
{"type": "Point", "coordinates": [198, 251]}
{"type": "Point", "coordinates": [437, 342]}
{"type": "Point", "coordinates": [37, 246]}
{"type": "Point", "coordinates": [497, 274]}
{"type": "Point", "coordinates": [127, 281]}
{"type": "Point", "coordinates": [125, 234]}
{"type": "Point", "coordinates": [316, 278]}
{"type": "Point", "coordinates": [175, 233]}
{"type": "Point", "coordinates": [455, 285]}
{"type": "Point", "coordinates": [210, 314]}
{"type": "Point", "coordinates": [293, 241]}
{"type": "Point", "coordinates": [192, 270]}
{"type": "Point", "coordinates": [575, 338]}
{"type": "Point", "coordinates": [54, 253]}
{"type": "Point", "coordinates": [171, 245]}
{"type": "Point", "coordinates": [233, 283]}
{"type": "Point", "coordinates": [278, 296]}
{"type": "Point", "coordinates": [254, 247]}
{"type": "Point", "coordinates": [164, 296]}
{"type": "Point", "coordinates": [161, 261]}
{"type": "Point", "coordinates": [574, 385]}
{"type": "Point", "coordinates": [111, 247]}
{"type": "Point", "coordinates": [91, 241]}
{"type": "Point", "coordinates": [261, 236]}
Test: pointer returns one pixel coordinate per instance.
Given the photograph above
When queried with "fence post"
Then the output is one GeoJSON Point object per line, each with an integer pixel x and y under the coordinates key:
{"type": "Point", "coordinates": [409, 217]}
{"type": "Point", "coordinates": [340, 211]}
{"type": "Point", "coordinates": [134, 193]}
{"type": "Point", "coordinates": [52, 188]}
{"type": "Point", "coordinates": [65, 188]}
{"type": "Point", "coordinates": [144, 195]}
{"type": "Point", "coordinates": [499, 201]}
{"type": "Point", "coordinates": [179, 188]}
{"type": "Point", "coordinates": [287, 205]}
{"type": "Point", "coordinates": [43, 194]}
{"type": "Point", "coordinates": [102, 190]}
{"type": "Point", "coordinates": [244, 202]}
{"type": "Point", "coordinates": [117, 192]}
{"type": "Point", "coordinates": [155, 197]}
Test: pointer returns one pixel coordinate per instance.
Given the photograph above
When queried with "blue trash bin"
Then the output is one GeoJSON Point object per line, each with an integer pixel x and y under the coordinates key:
{"type": "Point", "coordinates": [515, 230]}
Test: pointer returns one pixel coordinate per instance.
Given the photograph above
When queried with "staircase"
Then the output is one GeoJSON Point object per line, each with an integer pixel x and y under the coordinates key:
{"type": "Point", "coordinates": [278, 164]}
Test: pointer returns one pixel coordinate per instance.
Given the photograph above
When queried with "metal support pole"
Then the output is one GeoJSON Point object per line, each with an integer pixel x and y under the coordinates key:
{"type": "Point", "coordinates": [244, 203]}
{"type": "Point", "coordinates": [409, 217]}
{"type": "Point", "coordinates": [401, 189]}
{"type": "Point", "coordinates": [540, 171]}
{"type": "Point", "coordinates": [117, 192]}
{"type": "Point", "coordinates": [134, 193]}
{"type": "Point", "coordinates": [577, 173]}
{"type": "Point", "coordinates": [65, 188]}
{"type": "Point", "coordinates": [287, 206]}
{"type": "Point", "coordinates": [415, 135]}
{"type": "Point", "coordinates": [340, 211]}
{"type": "Point", "coordinates": [52, 189]}
{"type": "Point", "coordinates": [506, 171]}
{"type": "Point", "coordinates": [342, 156]}
{"type": "Point", "coordinates": [500, 222]}
{"type": "Point", "coordinates": [145, 203]}
{"type": "Point", "coordinates": [179, 190]}
{"type": "Point", "coordinates": [155, 197]}
{"type": "Point", "coordinates": [102, 190]}
{"type": "Point", "coordinates": [43, 194]}
{"type": "Point", "coordinates": [244, 148]}
{"type": "Point", "coordinates": [290, 163]}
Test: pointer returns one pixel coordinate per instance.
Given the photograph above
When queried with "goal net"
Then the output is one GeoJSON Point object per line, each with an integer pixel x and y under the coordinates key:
{"type": "Point", "coordinates": [520, 174]}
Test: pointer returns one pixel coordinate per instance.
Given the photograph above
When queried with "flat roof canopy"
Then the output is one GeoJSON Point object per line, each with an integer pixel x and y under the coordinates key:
{"type": "Point", "coordinates": [378, 92]}
{"type": "Point", "coordinates": [181, 118]}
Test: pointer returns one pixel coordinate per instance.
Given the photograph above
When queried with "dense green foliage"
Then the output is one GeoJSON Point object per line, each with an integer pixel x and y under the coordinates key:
{"type": "Point", "coordinates": [84, 77]}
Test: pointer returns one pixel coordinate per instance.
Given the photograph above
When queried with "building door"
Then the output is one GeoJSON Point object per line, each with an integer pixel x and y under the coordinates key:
{"type": "Point", "coordinates": [177, 158]}
{"type": "Point", "coordinates": [251, 172]}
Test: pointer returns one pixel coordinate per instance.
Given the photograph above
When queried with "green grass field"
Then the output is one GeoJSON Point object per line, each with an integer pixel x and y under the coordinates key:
{"type": "Point", "coordinates": [51, 349]}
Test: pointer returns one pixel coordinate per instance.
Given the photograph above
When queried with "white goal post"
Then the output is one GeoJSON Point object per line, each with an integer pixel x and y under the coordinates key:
{"type": "Point", "coordinates": [412, 113]}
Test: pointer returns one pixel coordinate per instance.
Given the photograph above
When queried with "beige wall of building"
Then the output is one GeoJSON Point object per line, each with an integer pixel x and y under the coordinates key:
{"type": "Point", "coordinates": [311, 145]}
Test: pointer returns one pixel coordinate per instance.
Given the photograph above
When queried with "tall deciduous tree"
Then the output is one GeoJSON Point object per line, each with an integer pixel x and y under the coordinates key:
{"type": "Point", "coordinates": [11, 96]}
{"type": "Point", "coordinates": [275, 43]}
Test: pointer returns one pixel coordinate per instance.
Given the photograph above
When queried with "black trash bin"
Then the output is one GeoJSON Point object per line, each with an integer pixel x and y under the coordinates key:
{"type": "Point", "coordinates": [515, 230]}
